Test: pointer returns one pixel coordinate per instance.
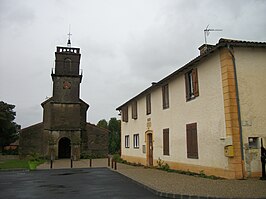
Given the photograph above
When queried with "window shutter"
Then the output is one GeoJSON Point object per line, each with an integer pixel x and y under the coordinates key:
{"type": "Point", "coordinates": [187, 86]}
{"type": "Point", "coordinates": [166, 141]}
{"type": "Point", "coordinates": [148, 104]}
{"type": "Point", "coordinates": [195, 82]}
{"type": "Point", "coordinates": [165, 95]}
{"type": "Point", "coordinates": [134, 110]}
{"type": "Point", "coordinates": [125, 114]}
{"type": "Point", "coordinates": [192, 141]}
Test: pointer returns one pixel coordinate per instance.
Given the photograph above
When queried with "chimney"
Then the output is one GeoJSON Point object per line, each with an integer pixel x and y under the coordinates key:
{"type": "Point", "coordinates": [205, 48]}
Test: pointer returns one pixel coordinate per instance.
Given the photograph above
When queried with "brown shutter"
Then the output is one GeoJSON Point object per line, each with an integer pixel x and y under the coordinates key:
{"type": "Point", "coordinates": [195, 82]}
{"type": "Point", "coordinates": [187, 86]}
{"type": "Point", "coordinates": [125, 114]}
{"type": "Point", "coordinates": [134, 110]}
{"type": "Point", "coordinates": [148, 104]}
{"type": "Point", "coordinates": [192, 141]}
{"type": "Point", "coordinates": [166, 142]}
{"type": "Point", "coordinates": [165, 95]}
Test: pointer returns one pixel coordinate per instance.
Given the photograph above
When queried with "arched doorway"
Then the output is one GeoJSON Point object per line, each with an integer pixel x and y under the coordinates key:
{"type": "Point", "coordinates": [64, 148]}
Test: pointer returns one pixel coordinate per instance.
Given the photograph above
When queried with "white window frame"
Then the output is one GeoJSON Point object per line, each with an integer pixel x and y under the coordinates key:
{"type": "Point", "coordinates": [127, 141]}
{"type": "Point", "coordinates": [136, 141]}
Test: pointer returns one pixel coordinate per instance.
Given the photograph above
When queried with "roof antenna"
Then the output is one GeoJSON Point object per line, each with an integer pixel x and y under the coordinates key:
{"type": "Point", "coordinates": [207, 31]}
{"type": "Point", "coordinates": [68, 41]}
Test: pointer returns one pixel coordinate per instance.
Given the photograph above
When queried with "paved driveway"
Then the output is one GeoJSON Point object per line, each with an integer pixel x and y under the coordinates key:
{"type": "Point", "coordinates": [70, 183]}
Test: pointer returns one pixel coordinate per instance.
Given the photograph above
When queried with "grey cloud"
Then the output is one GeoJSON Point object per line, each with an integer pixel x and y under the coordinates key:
{"type": "Point", "coordinates": [15, 15]}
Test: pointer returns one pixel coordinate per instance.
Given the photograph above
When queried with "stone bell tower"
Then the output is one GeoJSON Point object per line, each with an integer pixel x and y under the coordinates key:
{"type": "Point", "coordinates": [64, 117]}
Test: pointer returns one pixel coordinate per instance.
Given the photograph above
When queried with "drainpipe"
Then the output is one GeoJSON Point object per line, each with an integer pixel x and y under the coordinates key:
{"type": "Point", "coordinates": [238, 106]}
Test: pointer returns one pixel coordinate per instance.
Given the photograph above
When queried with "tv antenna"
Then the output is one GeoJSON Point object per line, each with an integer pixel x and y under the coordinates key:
{"type": "Point", "coordinates": [68, 41]}
{"type": "Point", "coordinates": [207, 31]}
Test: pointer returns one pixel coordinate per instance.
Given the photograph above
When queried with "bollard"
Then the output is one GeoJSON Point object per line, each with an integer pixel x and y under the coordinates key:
{"type": "Point", "coordinates": [112, 163]}
{"type": "Point", "coordinates": [115, 165]}
{"type": "Point", "coordinates": [51, 164]}
{"type": "Point", "coordinates": [90, 162]}
{"type": "Point", "coordinates": [71, 162]}
{"type": "Point", "coordinates": [108, 161]}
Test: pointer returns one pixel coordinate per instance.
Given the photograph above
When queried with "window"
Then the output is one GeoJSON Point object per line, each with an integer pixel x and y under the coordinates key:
{"type": "Point", "coordinates": [166, 142]}
{"type": "Point", "coordinates": [127, 141]}
{"type": "Point", "coordinates": [192, 141]}
{"type": "Point", "coordinates": [165, 93]}
{"type": "Point", "coordinates": [148, 104]}
{"type": "Point", "coordinates": [192, 86]}
{"type": "Point", "coordinates": [125, 114]}
{"type": "Point", "coordinates": [134, 110]}
{"type": "Point", "coordinates": [136, 140]}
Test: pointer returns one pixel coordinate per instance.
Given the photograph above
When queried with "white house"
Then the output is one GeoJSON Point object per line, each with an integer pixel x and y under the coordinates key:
{"type": "Point", "coordinates": [208, 116]}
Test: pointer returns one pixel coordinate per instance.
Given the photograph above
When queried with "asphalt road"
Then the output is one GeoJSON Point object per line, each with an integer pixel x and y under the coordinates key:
{"type": "Point", "coordinates": [90, 183]}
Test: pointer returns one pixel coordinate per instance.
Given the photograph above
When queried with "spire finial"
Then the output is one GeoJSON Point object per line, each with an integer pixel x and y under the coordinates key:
{"type": "Point", "coordinates": [69, 42]}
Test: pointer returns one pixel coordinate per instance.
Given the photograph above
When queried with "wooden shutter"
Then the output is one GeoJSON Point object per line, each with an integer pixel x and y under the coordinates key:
{"type": "Point", "coordinates": [166, 141]}
{"type": "Point", "coordinates": [148, 104]}
{"type": "Point", "coordinates": [125, 114]}
{"type": "Point", "coordinates": [134, 110]}
{"type": "Point", "coordinates": [195, 82]}
{"type": "Point", "coordinates": [165, 93]}
{"type": "Point", "coordinates": [187, 86]}
{"type": "Point", "coordinates": [192, 141]}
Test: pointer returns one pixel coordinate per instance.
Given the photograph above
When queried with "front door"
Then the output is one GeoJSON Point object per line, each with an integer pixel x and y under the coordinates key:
{"type": "Point", "coordinates": [64, 148]}
{"type": "Point", "coordinates": [150, 149]}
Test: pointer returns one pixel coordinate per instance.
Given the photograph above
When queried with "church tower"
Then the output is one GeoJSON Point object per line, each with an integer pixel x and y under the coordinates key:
{"type": "Point", "coordinates": [64, 131]}
{"type": "Point", "coordinates": [64, 115]}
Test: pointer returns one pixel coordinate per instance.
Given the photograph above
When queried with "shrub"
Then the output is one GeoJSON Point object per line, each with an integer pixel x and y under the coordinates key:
{"type": "Point", "coordinates": [162, 165]}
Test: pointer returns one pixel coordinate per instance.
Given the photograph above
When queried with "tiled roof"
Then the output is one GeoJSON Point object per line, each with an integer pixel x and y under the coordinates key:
{"type": "Point", "coordinates": [222, 43]}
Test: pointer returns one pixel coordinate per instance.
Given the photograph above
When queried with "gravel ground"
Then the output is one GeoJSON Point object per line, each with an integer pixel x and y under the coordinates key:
{"type": "Point", "coordinates": [194, 186]}
{"type": "Point", "coordinates": [175, 183]}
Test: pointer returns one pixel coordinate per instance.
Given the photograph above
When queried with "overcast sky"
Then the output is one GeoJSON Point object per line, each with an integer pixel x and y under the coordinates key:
{"type": "Point", "coordinates": [125, 45]}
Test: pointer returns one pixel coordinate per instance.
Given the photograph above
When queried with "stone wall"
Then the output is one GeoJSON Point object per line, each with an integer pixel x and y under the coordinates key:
{"type": "Point", "coordinates": [32, 140]}
{"type": "Point", "coordinates": [94, 141]}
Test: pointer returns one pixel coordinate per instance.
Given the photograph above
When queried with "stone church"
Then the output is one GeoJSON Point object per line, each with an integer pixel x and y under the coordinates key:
{"type": "Point", "coordinates": [64, 132]}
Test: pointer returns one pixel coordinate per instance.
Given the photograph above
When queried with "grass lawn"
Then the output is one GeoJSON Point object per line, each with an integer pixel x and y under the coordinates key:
{"type": "Point", "coordinates": [20, 164]}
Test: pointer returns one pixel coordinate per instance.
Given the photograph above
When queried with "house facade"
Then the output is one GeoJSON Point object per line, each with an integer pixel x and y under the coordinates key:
{"type": "Point", "coordinates": [208, 116]}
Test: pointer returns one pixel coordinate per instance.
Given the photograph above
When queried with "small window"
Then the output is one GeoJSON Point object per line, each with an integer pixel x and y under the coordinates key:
{"type": "Point", "coordinates": [166, 142]}
{"type": "Point", "coordinates": [192, 141]}
{"type": "Point", "coordinates": [127, 141]}
{"type": "Point", "coordinates": [125, 114]}
{"type": "Point", "coordinates": [165, 93]}
{"type": "Point", "coordinates": [134, 110]}
{"type": "Point", "coordinates": [136, 140]}
{"type": "Point", "coordinates": [253, 142]}
{"type": "Point", "coordinates": [148, 104]}
{"type": "Point", "coordinates": [192, 86]}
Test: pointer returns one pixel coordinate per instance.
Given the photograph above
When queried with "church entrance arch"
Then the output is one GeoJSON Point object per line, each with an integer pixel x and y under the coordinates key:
{"type": "Point", "coordinates": [64, 148]}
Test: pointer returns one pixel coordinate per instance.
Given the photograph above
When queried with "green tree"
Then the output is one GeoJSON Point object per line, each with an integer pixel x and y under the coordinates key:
{"type": "Point", "coordinates": [114, 135]}
{"type": "Point", "coordinates": [8, 128]}
{"type": "Point", "coordinates": [114, 127]}
{"type": "Point", "coordinates": [103, 124]}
